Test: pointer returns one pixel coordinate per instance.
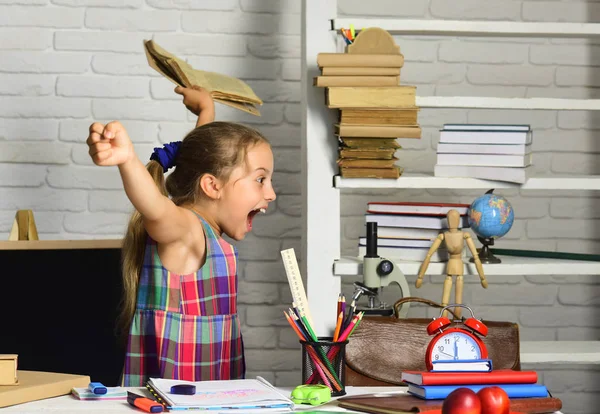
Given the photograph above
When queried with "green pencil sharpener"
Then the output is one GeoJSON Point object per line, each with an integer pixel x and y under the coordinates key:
{"type": "Point", "coordinates": [311, 394]}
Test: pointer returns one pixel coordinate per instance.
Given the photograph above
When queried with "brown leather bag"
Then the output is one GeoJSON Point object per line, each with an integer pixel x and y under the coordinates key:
{"type": "Point", "coordinates": [381, 347]}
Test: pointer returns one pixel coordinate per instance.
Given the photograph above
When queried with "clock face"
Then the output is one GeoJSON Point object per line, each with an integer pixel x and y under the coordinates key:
{"type": "Point", "coordinates": [455, 345]}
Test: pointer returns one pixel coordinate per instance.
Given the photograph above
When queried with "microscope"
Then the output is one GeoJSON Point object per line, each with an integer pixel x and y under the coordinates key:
{"type": "Point", "coordinates": [377, 273]}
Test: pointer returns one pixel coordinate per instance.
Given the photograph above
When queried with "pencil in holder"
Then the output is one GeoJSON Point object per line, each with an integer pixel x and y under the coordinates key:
{"type": "Point", "coordinates": [323, 362]}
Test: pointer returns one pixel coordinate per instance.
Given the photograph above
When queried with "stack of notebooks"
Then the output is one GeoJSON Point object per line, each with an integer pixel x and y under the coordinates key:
{"type": "Point", "coordinates": [375, 109]}
{"type": "Point", "coordinates": [428, 389]}
{"type": "Point", "coordinates": [406, 230]}
{"type": "Point", "coordinates": [477, 374]}
{"type": "Point", "coordinates": [484, 151]}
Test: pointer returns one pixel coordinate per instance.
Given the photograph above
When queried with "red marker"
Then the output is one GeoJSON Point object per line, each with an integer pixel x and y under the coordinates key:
{"type": "Point", "coordinates": [144, 403]}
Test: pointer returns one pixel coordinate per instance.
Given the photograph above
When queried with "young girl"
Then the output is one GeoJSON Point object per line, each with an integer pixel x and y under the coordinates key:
{"type": "Point", "coordinates": [180, 276]}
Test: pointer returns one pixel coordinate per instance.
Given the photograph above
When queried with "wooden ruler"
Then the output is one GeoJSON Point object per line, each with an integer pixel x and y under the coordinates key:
{"type": "Point", "coordinates": [295, 280]}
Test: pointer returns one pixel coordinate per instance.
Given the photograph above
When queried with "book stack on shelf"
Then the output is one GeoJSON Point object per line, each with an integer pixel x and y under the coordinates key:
{"type": "Point", "coordinates": [375, 110]}
{"type": "Point", "coordinates": [406, 230]}
{"type": "Point", "coordinates": [484, 151]}
{"type": "Point", "coordinates": [474, 374]}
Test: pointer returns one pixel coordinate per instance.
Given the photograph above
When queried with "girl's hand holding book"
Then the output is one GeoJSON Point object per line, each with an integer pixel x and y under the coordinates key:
{"type": "Point", "coordinates": [109, 144]}
{"type": "Point", "coordinates": [199, 101]}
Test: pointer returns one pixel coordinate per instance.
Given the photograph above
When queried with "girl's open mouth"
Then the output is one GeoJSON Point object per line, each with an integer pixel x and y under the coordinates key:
{"type": "Point", "coordinates": [251, 217]}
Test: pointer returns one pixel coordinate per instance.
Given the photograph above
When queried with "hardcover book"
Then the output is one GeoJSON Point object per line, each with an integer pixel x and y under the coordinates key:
{"type": "Point", "coordinates": [365, 143]}
{"type": "Point", "coordinates": [510, 149]}
{"type": "Point", "coordinates": [376, 153]}
{"type": "Point", "coordinates": [359, 71]}
{"type": "Point", "coordinates": [406, 116]}
{"type": "Point", "coordinates": [486, 137]}
{"type": "Point", "coordinates": [508, 174]}
{"type": "Point", "coordinates": [366, 163]}
{"type": "Point", "coordinates": [487, 127]}
{"type": "Point", "coordinates": [499, 376]}
{"type": "Point", "coordinates": [360, 60]}
{"type": "Point", "coordinates": [485, 160]}
{"type": "Point", "coordinates": [378, 131]}
{"type": "Point", "coordinates": [352, 172]}
{"type": "Point", "coordinates": [400, 96]}
{"type": "Point", "coordinates": [405, 220]}
{"type": "Point", "coordinates": [436, 392]}
{"type": "Point", "coordinates": [429, 209]}
{"type": "Point", "coordinates": [325, 81]}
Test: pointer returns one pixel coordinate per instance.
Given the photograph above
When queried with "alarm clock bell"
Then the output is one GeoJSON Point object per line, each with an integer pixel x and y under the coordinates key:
{"type": "Point", "coordinates": [379, 272]}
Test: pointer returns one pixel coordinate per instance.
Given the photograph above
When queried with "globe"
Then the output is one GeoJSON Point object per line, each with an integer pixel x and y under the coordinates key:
{"type": "Point", "coordinates": [490, 216]}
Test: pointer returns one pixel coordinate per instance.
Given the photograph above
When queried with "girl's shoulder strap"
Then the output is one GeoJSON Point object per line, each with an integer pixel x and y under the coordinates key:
{"type": "Point", "coordinates": [208, 230]}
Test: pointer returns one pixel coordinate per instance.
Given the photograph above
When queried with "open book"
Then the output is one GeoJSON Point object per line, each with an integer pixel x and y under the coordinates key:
{"type": "Point", "coordinates": [244, 395]}
{"type": "Point", "coordinates": [224, 89]}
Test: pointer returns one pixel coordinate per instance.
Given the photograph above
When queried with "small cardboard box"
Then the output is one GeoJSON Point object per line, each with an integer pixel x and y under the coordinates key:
{"type": "Point", "coordinates": [8, 369]}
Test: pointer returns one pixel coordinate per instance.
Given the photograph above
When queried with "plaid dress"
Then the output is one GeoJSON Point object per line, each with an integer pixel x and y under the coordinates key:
{"type": "Point", "coordinates": [186, 326]}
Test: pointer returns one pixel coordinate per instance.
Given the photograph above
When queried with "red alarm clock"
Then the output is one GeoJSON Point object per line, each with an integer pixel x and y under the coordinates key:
{"type": "Point", "coordinates": [460, 342]}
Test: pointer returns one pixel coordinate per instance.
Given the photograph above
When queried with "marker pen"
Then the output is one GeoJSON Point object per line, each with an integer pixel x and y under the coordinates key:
{"type": "Point", "coordinates": [143, 403]}
{"type": "Point", "coordinates": [97, 388]}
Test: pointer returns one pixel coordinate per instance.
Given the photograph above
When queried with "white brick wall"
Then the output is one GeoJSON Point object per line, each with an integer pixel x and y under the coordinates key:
{"type": "Point", "coordinates": [66, 63]}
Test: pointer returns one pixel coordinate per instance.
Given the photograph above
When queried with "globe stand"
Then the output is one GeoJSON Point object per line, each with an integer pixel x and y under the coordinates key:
{"type": "Point", "coordinates": [485, 254]}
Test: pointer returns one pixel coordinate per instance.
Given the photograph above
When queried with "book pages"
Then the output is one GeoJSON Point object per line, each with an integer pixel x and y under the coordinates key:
{"type": "Point", "coordinates": [224, 89]}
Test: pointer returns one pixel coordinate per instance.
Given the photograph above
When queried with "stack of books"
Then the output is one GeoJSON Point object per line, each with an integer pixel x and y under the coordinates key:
{"type": "Point", "coordinates": [434, 385]}
{"type": "Point", "coordinates": [406, 230]}
{"type": "Point", "coordinates": [375, 110]}
{"type": "Point", "coordinates": [490, 152]}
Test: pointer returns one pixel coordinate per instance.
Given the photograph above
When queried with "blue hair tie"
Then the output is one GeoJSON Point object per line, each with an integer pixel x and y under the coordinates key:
{"type": "Point", "coordinates": [166, 155]}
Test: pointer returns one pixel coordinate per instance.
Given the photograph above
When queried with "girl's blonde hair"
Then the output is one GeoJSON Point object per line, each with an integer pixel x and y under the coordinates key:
{"type": "Point", "coordinates": [215, 148]}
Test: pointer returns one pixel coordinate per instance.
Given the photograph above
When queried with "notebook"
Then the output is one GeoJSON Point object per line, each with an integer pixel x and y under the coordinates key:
{"type": "Point", "coordinates": [244, 394]}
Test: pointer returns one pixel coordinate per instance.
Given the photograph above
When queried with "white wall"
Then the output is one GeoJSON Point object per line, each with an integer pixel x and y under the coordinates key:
{"type": "Point", "coordinates": [67, 63]}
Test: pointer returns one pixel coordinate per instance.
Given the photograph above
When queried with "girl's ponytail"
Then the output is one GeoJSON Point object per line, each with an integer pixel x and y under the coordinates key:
{"type": "Point", "coordinates": [134, 244]}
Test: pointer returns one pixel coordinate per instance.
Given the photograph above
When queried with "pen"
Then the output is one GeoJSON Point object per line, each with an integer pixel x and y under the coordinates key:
{"type": "Point", "coordinates": [143, 403]}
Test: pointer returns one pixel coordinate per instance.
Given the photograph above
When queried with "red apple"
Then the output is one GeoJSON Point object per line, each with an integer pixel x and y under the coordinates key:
{"type": "Point", "coordinates": [494, 400]}
{"type": "Point", "coordinates": [462, 401]}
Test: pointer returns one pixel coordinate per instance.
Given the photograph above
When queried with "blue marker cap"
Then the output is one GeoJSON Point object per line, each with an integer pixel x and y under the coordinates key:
{"type": "Point", "coordinates": [183, 389]}
{"type": "Point", "coordinates": [97, 388]}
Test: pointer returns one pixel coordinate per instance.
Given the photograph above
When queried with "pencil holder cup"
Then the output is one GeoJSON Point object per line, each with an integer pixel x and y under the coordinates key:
{"type": "Point", "coordinates": [323, 363]}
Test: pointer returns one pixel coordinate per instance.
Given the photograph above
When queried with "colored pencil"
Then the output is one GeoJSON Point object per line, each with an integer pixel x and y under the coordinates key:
{"type": "Point", "coordinates": [338, 326]}
{"type": "Point", "coordinates": [312, 355]}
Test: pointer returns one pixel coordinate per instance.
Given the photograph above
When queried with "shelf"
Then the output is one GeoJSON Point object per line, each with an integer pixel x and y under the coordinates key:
{"type": "Point", "coordinates": [61, 244]}
{"type": "Point", "coordinates": [585, 182]}
{"type": "Point", "coordinates": [511, 265]}
{"type": "Point", "coordinates": [473, 28]}
{"type": "Point", "coordinates": [560, 352]}
{"type": "Point", "coordinates": [476, 102]}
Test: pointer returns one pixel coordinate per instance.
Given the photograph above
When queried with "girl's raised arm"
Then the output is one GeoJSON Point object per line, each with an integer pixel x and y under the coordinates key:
{"type": "Point", "coordinates": [110, 145]}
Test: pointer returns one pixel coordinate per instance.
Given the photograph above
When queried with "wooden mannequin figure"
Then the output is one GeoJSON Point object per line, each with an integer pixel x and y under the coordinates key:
{"type": "Point", "coordinates": [454, 239]}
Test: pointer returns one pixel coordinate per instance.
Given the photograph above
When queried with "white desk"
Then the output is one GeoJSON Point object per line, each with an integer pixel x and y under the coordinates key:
{"type": "Point", "coordinates": [68, 404]}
